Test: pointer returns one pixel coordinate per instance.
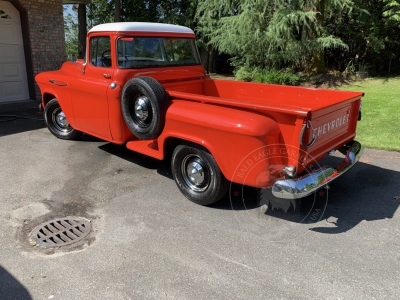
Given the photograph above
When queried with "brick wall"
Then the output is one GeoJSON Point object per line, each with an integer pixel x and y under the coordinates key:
{"type": "Point", "coordinates": [45, 31]}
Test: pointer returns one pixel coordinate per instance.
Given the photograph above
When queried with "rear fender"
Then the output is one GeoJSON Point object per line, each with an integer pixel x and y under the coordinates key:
{"type": "Point", "coordinates": [230, 135]}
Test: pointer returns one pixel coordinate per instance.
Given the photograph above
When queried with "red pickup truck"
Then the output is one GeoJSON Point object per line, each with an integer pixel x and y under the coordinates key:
{"type": "Point", "coordinates": [142, 84]}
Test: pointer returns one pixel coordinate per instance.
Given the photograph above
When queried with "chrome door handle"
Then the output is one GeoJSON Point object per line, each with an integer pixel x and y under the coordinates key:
{"type": "Point", "coordinates": [58, 82]}
{"type": "Point", "coordinates": [108, 76]}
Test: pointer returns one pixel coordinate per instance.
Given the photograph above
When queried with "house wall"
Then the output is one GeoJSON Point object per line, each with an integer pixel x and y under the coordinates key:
{"type": "Point", "coordinates": [43, 33]}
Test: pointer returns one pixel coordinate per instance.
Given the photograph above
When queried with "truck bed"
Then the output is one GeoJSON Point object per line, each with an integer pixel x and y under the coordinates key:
{"type": "Point", "coordinates": [263, 97]}
{"type": "Point", "coordinates": [332, 114]}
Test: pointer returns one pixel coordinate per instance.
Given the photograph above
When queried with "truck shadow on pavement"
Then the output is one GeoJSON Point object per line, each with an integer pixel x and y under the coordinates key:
{"type": "Point", "coordinates": [11, 288]}
{"type": "Point", "coordinates": [20, 117]}
{"type": "Point", "coordinates": [162, 167]}
{"type": "Point", "coordinates": [365, 193]}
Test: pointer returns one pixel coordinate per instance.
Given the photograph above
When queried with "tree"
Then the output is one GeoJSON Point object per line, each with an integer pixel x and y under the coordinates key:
{"type": "Point", "coordinates": [391, 13]}
{"type": "Point", "coordinates": [107, 11]}
{"type": "Point", "coordinates": [305, 35]}
{"type": "Point", "coordinates": [271, 33]}
{"type": "Point", "coordinates": [180, 12]}
{"type": "Point", "coordinates": [117, 15]}
{"type": "Point", "coordinates": [372, 35]}
{"type": "Point", "coordinates": [82, 30]}
{"type": "Point", "coordinates": [100, 11]}
{"type": "Point", "coordinates": [391, 10]}
{"type": "Point", "coordinates": [71, 35]}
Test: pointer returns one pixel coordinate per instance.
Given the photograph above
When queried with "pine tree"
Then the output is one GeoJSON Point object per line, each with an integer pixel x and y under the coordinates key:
{"type": "Point", "coordinates": [392, 10]}
{"type": "Point", "coordinates": [271, 33]}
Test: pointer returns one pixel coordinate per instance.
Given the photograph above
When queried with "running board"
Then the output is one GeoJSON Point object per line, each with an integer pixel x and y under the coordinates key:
{"type": "Point", "coordinates": [149, 148]}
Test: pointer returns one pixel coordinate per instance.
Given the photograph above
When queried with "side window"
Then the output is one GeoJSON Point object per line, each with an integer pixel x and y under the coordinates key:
{"type": "Point", "coordinates": [100, 51]}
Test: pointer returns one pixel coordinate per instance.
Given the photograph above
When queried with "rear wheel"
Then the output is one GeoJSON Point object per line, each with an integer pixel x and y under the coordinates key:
{"type": "Point", "coordinates": [197, 174]}
{"type": "Point", "coordinates": [57, 123]}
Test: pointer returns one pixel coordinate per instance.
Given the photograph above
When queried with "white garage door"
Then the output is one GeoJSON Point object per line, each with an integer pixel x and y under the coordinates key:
{"type": "Point", "coordinates": [13, 78]}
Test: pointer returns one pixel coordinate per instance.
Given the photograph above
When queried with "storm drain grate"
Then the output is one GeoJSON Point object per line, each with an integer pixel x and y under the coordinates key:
{"type": "Point", "coordinates": [60, 232]}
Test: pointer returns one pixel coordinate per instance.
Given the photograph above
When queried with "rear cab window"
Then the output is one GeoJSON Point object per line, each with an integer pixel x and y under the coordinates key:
{"type": "Point", "coordinates": [144, 52]}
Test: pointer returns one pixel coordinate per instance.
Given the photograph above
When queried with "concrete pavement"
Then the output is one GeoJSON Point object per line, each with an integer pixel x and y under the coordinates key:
{"type": "Point", "coordinates": [150, 242]}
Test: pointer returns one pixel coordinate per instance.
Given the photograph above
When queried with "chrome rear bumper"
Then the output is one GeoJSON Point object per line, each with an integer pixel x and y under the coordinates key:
{"type": "Point", "coordinates": [305, 185]}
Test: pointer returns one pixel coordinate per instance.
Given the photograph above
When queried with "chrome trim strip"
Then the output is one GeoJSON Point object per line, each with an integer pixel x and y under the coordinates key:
{"type": "Point", "coordinates": [315, 136]}
{"type": "Point", "coordinates": [58, 82]}
{"type": "Point", "coordinates": [303, 186]}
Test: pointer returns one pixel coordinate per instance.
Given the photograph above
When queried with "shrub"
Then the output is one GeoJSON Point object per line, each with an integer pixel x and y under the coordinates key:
{"type": "Point", "coordinates": [316, 79]}
{"type": "Point", "coordinates": [284, 77]}
{"type": "Point", "coordinates": [244, 74]}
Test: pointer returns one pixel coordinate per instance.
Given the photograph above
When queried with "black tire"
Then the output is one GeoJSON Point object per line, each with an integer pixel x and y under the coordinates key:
{"type": "Point", "coordinates": [210, 184]}
{"type": "Point", "coordinates": [57, 123]}
{"type": "Point", "coordinates": [144, 105]}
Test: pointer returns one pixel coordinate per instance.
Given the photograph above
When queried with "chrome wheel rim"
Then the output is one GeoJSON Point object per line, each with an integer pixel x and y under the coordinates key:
{"type": "Point", "coordinates": [142, 111]}
{"type": "Point", "coordinates": [60, 121]}
{"type": "Point", "coordinates": [195, 173]}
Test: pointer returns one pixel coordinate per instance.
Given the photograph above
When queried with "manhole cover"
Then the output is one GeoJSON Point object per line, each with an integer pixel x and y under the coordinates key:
{"type": "Point", "coordinates": [60, 232]}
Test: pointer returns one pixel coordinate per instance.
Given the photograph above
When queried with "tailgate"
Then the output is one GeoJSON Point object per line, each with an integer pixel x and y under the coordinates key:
{"type": "Point", "coordinates": [331, 127]}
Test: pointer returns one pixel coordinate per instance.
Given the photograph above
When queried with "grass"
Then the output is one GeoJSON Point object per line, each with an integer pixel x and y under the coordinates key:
{"type": "Point", "coordinates": [380, 124]}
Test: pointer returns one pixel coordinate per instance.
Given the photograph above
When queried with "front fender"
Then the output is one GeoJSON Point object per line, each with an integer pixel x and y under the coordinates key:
{"type": "Point", "coordinates": [56, 84]}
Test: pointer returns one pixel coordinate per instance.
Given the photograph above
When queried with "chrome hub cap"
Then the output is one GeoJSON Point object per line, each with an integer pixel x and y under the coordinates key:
{"type": "Point", "coordinates": [60, 121]}
{"type": "Point", "coordinates": [195, 173]}
{"type": "Point", "coordinates": [141, 108]}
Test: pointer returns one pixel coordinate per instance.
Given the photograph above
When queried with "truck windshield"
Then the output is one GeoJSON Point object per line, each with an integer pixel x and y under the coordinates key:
{"type": "Point", "coordinates": [144, 52]}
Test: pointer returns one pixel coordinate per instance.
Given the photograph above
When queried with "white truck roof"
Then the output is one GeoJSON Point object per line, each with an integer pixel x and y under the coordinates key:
{"type": "Point", "coordinates": [141, 27]}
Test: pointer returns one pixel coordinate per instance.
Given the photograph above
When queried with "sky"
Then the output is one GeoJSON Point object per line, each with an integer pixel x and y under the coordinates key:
{"type": "Point", "coordinates": [68, 9]}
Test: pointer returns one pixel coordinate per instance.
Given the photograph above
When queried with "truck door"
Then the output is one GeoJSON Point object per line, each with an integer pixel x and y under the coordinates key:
{"type": "Point", "coordinates": [89, 89]}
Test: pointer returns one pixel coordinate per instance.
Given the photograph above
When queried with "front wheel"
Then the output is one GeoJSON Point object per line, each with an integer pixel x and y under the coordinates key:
{"type": "Point", "coordinates": [197, 174]}
{"type": "Point", "coordinates": [57, 123]}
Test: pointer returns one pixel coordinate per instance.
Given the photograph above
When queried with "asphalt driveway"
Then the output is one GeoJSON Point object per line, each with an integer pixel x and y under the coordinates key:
{"type": "Point", "coordinates": [149, 242]}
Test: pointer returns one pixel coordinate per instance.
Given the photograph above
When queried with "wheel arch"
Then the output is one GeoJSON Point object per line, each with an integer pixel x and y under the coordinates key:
{"type": "Point", "coordinates": [197, 174]}
{"type": "Point", "coordinates": [227, 160]}
{"type": "Point", "coordinates": [46, 98]}
{"type": "Point", "coordinates": [171, 142]}
{"type": "Point", "coordinates": [57, 122]}
{"type": "Point", "coordinates": [64, 104]}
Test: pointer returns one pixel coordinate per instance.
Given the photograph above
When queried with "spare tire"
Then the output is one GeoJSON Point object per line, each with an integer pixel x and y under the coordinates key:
{"type": "Point", "coordinates": [144, 105]}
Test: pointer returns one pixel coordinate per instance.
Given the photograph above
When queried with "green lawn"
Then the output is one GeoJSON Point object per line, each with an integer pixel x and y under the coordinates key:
{"type": "Point", "coordinates": [380, 124]}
